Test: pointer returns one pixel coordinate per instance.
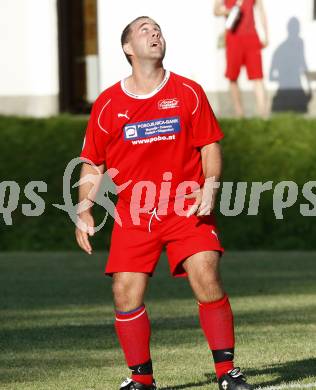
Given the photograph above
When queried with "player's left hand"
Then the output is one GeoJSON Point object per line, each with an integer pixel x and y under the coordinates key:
{"type": "Point", "coordinates": [204, 200]}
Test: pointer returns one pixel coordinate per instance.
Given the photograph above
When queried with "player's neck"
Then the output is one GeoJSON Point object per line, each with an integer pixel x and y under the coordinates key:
{"type": "Point", "coordinates": [144, 79]}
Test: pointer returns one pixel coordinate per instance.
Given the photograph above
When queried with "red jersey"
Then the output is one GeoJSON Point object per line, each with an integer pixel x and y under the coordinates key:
{"type": "Point", "coordinates": [246, 24]}
{"type": "Point", "coordinates": [145, 136]}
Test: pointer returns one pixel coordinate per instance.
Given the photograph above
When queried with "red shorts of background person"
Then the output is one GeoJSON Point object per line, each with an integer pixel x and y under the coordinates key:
{"type": "Point", "coordinates": [243, 50]}
{"type": "Point", "coordinates": [137, 248]}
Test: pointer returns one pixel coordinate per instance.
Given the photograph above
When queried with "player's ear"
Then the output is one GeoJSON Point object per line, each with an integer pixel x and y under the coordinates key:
{"type": "Point", "coordinates": [127, 48]}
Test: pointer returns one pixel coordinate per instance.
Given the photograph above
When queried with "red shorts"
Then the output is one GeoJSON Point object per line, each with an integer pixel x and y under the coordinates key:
{"type": "Point", "coordinates": [137, 248]}
{"type": "Point", "coordinates": [243, 50]}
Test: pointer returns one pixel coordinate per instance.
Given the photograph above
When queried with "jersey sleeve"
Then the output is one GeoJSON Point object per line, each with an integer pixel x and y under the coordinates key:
{"type": "Point", "coordinates": [205, 127]}
{"type": "Point", "coordinates": [95, 140]}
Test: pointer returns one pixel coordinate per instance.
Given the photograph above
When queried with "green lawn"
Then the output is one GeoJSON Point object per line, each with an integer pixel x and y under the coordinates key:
{"type": "Point", "coordinates": [57, 332]}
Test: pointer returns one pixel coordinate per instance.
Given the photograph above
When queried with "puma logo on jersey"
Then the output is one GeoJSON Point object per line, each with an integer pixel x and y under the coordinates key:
{"type": "Point", "coordinates": [120, 115]}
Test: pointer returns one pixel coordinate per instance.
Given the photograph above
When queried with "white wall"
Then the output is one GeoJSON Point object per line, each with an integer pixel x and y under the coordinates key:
{"type": "Point", "coordinates": [29, 48]}
{"type": "Point", "coordinates": [191, 32]}
{"type": "Point", "coordinates": [186, 27]}
{"type": "Point", "coordinates": [29, 45]}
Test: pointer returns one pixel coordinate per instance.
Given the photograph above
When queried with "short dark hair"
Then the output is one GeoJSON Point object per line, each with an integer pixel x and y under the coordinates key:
{"type": "Point", "coordinates": [126, 32]}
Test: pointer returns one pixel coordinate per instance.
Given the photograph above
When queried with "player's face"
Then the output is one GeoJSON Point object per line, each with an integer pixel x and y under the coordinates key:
{"type": "Point", "coordinates": [146, 41]}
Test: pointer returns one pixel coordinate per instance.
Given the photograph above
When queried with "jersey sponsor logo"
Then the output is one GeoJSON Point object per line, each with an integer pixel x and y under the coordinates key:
{"type": "Point", "coordinates": [152, 128]}
{"type": "Point", "coordinates": [154, 139]}
{"type": "Point", "coordinates": [168, 103]}
{"type": "Point", "coordinates": [130, 132]}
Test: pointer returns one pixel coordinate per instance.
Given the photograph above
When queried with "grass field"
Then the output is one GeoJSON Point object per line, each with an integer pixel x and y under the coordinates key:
{"type": "Point", "coordinates": [56, 327]}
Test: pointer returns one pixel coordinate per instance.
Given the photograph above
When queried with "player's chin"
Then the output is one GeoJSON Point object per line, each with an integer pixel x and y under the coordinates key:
{"type": "Point", "coordinates": [157, 57]}
{"type": "Point", "coordinates": [158, 54]}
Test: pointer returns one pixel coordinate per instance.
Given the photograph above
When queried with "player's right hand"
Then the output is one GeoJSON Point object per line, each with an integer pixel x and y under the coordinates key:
{"type": "Point", "coordinates": [84, 229]}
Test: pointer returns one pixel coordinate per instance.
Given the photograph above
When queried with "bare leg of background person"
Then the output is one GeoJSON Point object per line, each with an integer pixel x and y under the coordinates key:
{"type": "Point", "coordinates": [260, 98]}
{"type": "Point", "coordinates": [236, 96]}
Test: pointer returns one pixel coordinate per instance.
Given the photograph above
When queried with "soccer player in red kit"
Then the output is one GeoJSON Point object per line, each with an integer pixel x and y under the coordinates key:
{"type": "Point", "coordinates": [158, 131]}
{"type": "Point", "coordinates": [243, 48]}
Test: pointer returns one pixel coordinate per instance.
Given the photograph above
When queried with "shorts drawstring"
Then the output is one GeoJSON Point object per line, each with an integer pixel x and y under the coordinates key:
{"type": "Point", "coordinates": [153, 213]}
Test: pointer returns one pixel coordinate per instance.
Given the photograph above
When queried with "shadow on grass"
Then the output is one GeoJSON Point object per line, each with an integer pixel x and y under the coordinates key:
{"type": "Point", "coordinates": [293, 371]}
{"type": "Point", "coordinates": [286, 372]}
{"type": "Point", "coordinates": [59, 338]}
{"type": "Point", "coordinates": [192, 385]}
{"type": "Point", "coordinates": [165, 330]}
{"type": "Point", "coordinates": [98, 338]}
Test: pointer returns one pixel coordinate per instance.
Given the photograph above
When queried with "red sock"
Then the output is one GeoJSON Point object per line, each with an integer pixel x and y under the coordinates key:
{"type": "Point", "coordinates": [217, 322]}
{"type": "Point", "coordinates": [133, 331]}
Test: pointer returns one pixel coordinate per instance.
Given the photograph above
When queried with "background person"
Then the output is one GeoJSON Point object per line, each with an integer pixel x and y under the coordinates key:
{"type": "Point", "coordinates": [243, 48]}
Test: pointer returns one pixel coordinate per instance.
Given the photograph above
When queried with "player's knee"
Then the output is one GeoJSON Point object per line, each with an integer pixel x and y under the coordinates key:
{"type": "Point", "coordinates": [208, 287]}
{"type": "Point", "coordinates": [125, 297]}
{"type": "Point", "coordinates": [206, 271]}
{"type": "Point", "coordinates": [206, 276]}
{"type": "Point", "coordinates": [120, 290]}
{"type": "Point", "coordinates": [209, 280]}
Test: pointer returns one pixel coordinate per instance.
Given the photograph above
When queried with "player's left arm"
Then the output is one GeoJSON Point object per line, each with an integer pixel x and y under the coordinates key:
{"type": "Point", "coordinates": [205, 198]}
{"type": "Point", "coordinates": [264, 21]}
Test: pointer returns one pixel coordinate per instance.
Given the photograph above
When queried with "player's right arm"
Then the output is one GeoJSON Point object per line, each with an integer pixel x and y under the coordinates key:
{"type": "Point", "coordinates": [93, 154]}
{"type": "Point", "coordinates": [87, 192]}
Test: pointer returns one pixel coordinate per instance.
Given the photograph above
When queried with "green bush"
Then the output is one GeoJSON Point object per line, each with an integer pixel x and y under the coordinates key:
{"type": "Point", "coordinates": [278, 149]}
{"type": "Point", "coordinates": [281, 148]}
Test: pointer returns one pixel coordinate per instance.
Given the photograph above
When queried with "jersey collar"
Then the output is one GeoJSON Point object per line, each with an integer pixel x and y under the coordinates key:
{"type": "Point", "coordinates": [148, 95]}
